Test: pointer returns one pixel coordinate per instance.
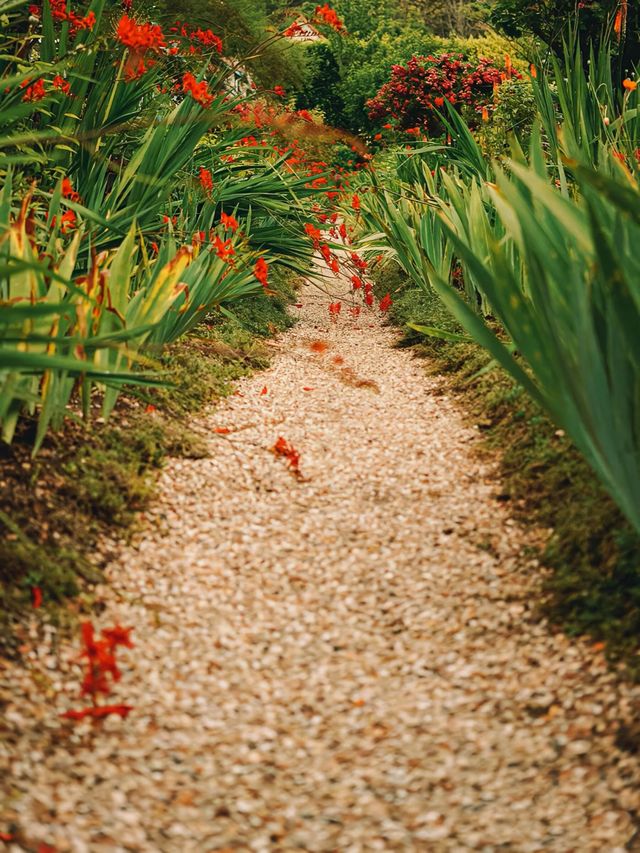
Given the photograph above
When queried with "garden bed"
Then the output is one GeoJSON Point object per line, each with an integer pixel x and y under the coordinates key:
{"type": "Point", "coordinates": [60, 509]}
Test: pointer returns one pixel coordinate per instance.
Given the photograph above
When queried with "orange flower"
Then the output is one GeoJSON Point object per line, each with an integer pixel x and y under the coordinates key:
{"type": "Point", "coordinates": [533, 70]}
{"type": "Point", "coordinates": [67, 221]}
{"type": "Point", "coordinates": [485, 114]}
{"type": "Point", "coordinates": [620, 19]}
{"type": "Point", "coordinates": [630, 85]}
{"type": "Point", "coordinates": [68, 190]}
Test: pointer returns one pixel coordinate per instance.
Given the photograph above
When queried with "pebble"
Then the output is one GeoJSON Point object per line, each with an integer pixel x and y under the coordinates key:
{"type": "Point", "coordinates": [329, 662]}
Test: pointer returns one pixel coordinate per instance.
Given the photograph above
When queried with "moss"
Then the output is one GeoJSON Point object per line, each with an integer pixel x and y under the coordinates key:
{"type": "Point", "coordinates": [594, 588]}
{"type": "Point", "coordinates": [94, 478]}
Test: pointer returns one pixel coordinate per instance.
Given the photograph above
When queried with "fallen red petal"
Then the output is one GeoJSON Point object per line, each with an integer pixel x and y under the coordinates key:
{"type": "Point", "coordinates": [98, 712]}
{"type": "Point", "coordinates": [222, 430]}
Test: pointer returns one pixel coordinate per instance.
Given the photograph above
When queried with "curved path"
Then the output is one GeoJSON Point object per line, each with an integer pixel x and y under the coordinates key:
{"type": "Point", "coordinates": [345, 660]}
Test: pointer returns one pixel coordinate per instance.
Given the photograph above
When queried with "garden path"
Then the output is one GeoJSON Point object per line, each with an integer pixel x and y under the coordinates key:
{"type": "Point", "coordinates": [347, 660]}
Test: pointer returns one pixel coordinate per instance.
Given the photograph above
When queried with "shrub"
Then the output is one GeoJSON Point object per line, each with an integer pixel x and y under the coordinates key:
{"type": "Point", "coordinates": [417, 92]}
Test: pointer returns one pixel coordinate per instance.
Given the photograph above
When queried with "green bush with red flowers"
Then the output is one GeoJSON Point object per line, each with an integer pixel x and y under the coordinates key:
{"type": "Point", "coordinates": [414, 98]}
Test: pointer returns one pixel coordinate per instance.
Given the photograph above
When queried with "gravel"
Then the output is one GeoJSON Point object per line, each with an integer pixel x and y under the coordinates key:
{"type": "Point", "coordinates": [347, 659]}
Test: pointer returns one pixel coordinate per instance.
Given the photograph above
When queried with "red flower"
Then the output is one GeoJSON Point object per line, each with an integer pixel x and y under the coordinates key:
{"type": "Point", "coordinates": [223, 248]}
{"type": "Point", "coordinates": [60, 83]}
{"type": "Point", "coordinates": [385, 303]}
{"type": "Point", "coordinates": [356, 282]}
{"type": "Point", "coordinates": [360, 263]}
{"type": "Point", "coordinates": [314, 233]}
{"type": "Point", "coordinates": [229, 222]}
{"type": "Point", "coordinates": [261, 271]}
{"type": "Point", "coordinates": [206, 180]}
{"type": "Point", "coordinates": [326, 15]}
{"type": "Point", "coordinates": [355, 202]}
{"type": "Point", "coordinates": [279, 91]}
{"type": "Point", "coordinates": [68, 190]}
{"type": "Point", "coordinates": [334, 309]}
{"type": "Point", "coordinates": [355, 310]}
{"type": "Point", "coordinates": [139, 37]}
{"type": "Point", "coordinates": [59, 13]}
{"type": "Point", "coordinates": [118, 636]}
{"type": "Point", "coordinates": [198, 91]}
{"type": "Point", "coordinates": [369, 299]}
{"type": "Point", "coordinates": [36, 597]}
{"type": "Point", "coordinates": [33, 91]}
{"type": "Point", "coordinates": [208, 39]}
{"type": "Point", "coordinates": [283, 448]}
{"type": "Point", "coordinates": [67, 221]}
{"type": "Point", "coordinates": [294, 29]}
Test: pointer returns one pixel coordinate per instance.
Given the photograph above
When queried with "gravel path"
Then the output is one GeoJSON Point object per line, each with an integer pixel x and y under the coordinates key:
{"type": "Point", "coordinates": [340, 661]}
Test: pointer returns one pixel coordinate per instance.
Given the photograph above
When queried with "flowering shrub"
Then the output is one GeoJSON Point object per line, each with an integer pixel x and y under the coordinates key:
{"type": "Point", "coordinates": [419, 89]}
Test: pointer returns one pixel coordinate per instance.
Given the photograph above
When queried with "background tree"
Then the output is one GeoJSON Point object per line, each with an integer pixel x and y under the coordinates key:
{"type": "Point", "coordinates": [591, 21]}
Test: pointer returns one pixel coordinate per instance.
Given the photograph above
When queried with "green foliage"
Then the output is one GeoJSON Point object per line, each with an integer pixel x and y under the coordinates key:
{"type": "Point", "coordinates": [345, 73]}
{"type": "Point", "coordinates": [548, 249]}
{"type": "Point", "coordinates": [513, 114]}
{"type": "Point", "coordinates": [119, 244]}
